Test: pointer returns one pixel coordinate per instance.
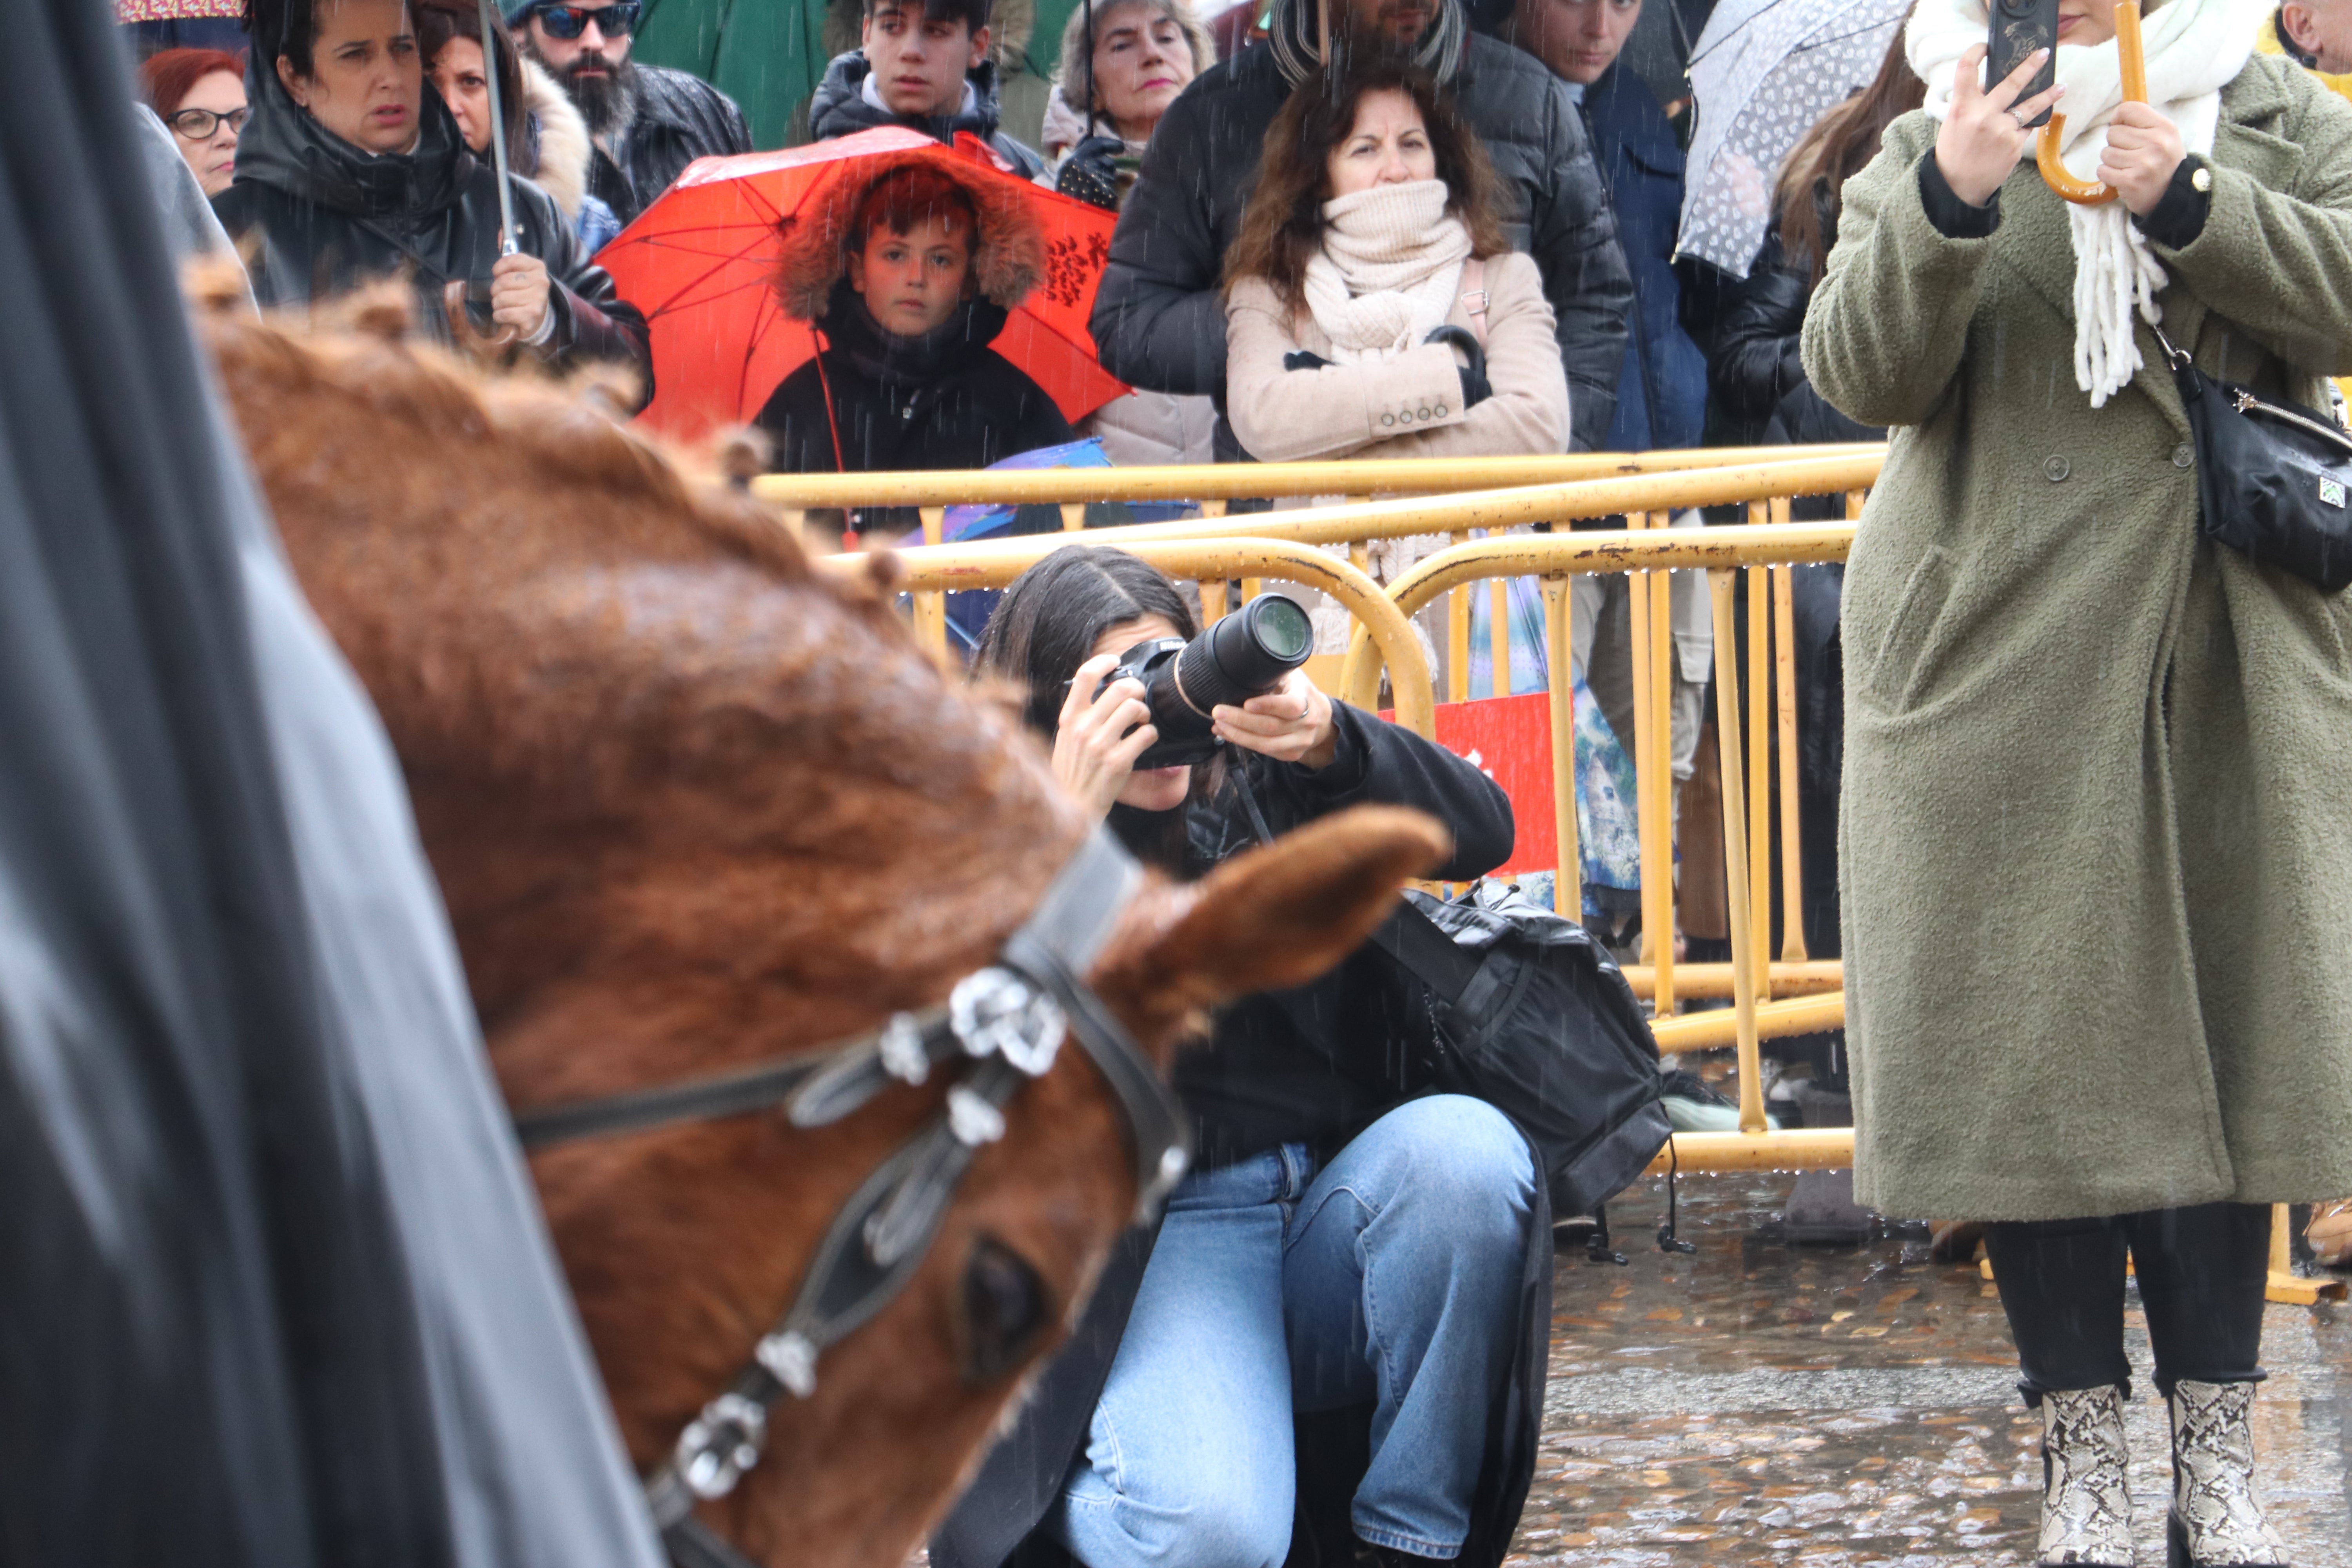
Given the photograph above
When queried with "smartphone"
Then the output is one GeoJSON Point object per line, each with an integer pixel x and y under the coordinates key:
{"type": "Point", "coordinates": [2019, 28]}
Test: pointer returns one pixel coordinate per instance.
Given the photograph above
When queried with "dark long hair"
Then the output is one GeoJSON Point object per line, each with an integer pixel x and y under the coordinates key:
{"type": "Point", "coordinates": [437, 22]}
{"type": "Point", "coordinates": [1283, 227]}
{"type": "Point", "coordinates": [1812, 181]}
{"type": "Point", "coordinates": [1047, 625]}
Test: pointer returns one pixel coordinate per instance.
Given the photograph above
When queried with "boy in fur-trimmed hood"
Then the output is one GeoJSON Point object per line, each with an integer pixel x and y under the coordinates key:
{"type": "Point", "coordinates": [908, 286]}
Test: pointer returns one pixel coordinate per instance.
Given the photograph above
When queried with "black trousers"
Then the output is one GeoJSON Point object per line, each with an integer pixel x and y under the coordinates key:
{"type": "Point", "coordinates": [2201, 1272]}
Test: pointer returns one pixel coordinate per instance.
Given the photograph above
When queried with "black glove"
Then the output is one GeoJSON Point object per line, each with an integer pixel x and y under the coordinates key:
{"type": "Point", "coordinates": [1300, 359]}
{"type": "Point", "coordinates": [1089, 175]}
{"type": "Point", "coordinates": [1475, 389]}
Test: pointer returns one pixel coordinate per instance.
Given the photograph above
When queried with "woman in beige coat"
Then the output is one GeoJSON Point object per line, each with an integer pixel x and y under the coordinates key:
{"type": "Point", "coordinates": [2097, 838]}
{"type": "Point", "coordinates": [1372, 308]}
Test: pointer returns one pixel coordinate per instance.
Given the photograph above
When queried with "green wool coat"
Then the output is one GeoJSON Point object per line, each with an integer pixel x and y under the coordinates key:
{"type": "Point", "coordinates": [2096, 851]}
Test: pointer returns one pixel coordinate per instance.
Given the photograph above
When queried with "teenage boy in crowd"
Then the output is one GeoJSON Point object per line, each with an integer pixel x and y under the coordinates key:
{"type": "Point", "coordinates": [1159, 317]}
{"type": "Point", "coordinates": [922, 64]}
{"type": "Point", "coordinates": [648, 123]}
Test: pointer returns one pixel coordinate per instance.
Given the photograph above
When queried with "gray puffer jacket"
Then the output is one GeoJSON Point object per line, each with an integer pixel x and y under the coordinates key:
{"type": "Point", "coordinates": [1159, 318]}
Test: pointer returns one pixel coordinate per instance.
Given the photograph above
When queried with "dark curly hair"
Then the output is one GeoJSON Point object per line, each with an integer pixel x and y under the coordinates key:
{"type": "Point", "coordinates": [1282, 226]}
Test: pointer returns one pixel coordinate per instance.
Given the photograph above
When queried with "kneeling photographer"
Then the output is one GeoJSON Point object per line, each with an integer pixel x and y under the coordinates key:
{"type": "Point", "coordinates": [1342, 1313]}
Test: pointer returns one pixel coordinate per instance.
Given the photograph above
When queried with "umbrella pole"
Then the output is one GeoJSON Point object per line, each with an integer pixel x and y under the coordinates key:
{"type": "Point", "coordinates": [508, 244]}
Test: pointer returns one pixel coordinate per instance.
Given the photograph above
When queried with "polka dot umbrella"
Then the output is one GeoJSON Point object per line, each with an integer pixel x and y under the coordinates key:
{"type": "Point", "coordinates": [1762, 74]}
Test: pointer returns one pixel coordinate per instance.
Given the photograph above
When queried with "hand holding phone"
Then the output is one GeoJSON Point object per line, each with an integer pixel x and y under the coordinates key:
{"type": "Point", "coordinates": [2019, 27]}
{"type": "Point", "coordinates": [1984, 136]}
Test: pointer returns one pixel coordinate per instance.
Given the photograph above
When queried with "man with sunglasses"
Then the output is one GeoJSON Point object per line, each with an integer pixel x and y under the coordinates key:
{"type": "Point", "coordinates": [648, 123]}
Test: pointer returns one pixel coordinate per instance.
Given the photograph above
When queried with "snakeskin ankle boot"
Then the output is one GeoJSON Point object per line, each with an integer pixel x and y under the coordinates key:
{"type": "Point", "coordinates": [2215, 1520]}
{"type": "Point", "coordinates": [2086, 1495]}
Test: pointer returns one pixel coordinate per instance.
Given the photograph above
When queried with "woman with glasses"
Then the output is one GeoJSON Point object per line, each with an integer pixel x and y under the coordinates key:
{"type": "Point", "coordinates": [353, 171]}
{"type": "Point", "coordinates": [200, 94]}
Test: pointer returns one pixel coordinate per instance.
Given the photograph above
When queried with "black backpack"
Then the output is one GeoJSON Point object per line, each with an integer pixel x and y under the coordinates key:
{"type": "Point", "coordinates": [1527, 1011]}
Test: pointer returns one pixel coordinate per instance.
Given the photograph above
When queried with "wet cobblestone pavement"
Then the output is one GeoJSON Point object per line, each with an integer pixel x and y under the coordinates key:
{"type": "Point", "coordinates": [1755, 1403]}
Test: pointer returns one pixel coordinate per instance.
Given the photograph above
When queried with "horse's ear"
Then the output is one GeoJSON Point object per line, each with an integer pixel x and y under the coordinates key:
{"type": "Point", "coordinates": [1277, 916]}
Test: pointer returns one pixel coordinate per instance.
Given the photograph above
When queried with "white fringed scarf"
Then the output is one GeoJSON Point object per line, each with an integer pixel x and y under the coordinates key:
{"type": "Point", "coordinates": [1389, 267]}
{"type": "Point", "coordinates": [2194, 48]}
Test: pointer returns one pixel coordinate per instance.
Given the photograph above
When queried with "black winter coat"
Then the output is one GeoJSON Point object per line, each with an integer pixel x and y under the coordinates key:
{"type": "Point", "coordinates": [1160, 316]}
{"type": "Point", "coordinates": [325, 216]}
{"type": "Point", "coordinates": [678, 118]}
{"type": "Point", "coordinates": [1258, 1083]}
{"type": "Point", "coordinates": [839, 109]}
{"type": "Point", "coordinates": [1754, 370]}
{"type": "Point", "coordinates": [946, 400]}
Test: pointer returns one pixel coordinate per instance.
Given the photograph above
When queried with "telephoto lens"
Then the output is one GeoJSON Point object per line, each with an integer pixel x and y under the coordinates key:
{"type": "Point", "coordinates": [1245, 655]}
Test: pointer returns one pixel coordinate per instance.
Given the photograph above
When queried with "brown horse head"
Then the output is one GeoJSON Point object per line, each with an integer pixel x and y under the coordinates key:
{"type": "Point", "coordinates": [693, 807]}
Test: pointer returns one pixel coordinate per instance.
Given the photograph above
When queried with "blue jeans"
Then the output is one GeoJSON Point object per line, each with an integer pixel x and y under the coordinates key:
{"type": "Point", "coordinates": [1389, 1277]}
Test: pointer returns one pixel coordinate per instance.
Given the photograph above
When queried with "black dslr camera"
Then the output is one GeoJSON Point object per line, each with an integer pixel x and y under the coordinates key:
{"type": "Point", "coordinates": [1244, 656]}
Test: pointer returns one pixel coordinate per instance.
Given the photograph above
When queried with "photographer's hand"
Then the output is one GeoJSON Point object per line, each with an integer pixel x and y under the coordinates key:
{"type": "Point", "coordinates": [2143, 150]}
{"type": "Point", "coordinates": [1292, 723]}
{"type": "Point", "coordinates": [1094, 751]}
{"type": "Point", "coordinates": [1985, 134]}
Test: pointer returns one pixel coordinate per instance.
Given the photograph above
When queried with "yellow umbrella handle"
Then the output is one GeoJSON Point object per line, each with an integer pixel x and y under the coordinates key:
{"type": "Point", "coordinates": [2134, 59]}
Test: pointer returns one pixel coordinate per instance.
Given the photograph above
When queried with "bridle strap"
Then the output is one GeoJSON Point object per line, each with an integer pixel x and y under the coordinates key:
{"type": "Point", "coordinates": [1004, 1023]}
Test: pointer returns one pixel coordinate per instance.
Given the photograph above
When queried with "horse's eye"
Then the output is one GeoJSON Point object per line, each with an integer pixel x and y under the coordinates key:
{"type": "Point", "coordinates": [1004, 1308]}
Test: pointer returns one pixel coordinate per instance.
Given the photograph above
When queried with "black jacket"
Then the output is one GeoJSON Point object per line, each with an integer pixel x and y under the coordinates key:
{"type": "Point", "coordinates": [677, 117]}
{"type": "Point", "coordinates": [1159, 317]}
{"type": "Point", "coordinates": [1258, 1083]}
{"type": "Point", "coordinates": [946, 400]}
{"type": "Point", "coordinates": [323, 216]}
{"type": "Point", "coordinates": [1754, 372]}
{"type": "Point", "coordinates": [839, 109]}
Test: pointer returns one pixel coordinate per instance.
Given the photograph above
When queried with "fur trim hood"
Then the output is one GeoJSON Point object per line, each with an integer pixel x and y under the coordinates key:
{"type": "Point", "coordinates": [1010, 260]}
{"type": "Point", "coordinates": [564, 143]}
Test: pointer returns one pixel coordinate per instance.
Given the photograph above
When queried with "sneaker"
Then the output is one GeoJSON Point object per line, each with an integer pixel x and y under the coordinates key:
{"type": "Point", "coordinates": [1693, 1105]}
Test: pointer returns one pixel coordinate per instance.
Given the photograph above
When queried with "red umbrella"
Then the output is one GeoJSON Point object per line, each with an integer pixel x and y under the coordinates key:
{"type": "Point", "coordinates": [701, 264]}
{"type": "Point", "coordinates": [175, 10]}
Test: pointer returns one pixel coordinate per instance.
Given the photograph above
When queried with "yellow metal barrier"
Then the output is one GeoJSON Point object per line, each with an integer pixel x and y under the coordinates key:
{"type": "Point", "coordinates": [1649, 551]}
{"type": "Point", "coordinates": [1236, 481]}
{"type": "Point", "coordinates": [1217, 560]}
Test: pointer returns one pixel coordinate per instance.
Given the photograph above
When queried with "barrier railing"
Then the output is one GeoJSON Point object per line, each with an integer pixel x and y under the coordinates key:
{"type": "Point", "coordinates": [1215, 484]}
{"type": "Point", "coordinates": [1796, 995]}
{"type": "Point", "coordinates": [1207, 560]}
{"type": "Point", "coordinates": [1765, 488]}
{"type": "Point", "coordinates": [1648, 553]}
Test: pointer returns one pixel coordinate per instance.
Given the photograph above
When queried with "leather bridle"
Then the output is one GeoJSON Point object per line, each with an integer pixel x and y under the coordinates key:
{"type": "Point", "coordinates": [1000, 1029]}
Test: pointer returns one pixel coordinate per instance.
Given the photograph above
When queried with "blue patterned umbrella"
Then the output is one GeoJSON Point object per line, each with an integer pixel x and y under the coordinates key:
{"type": "Point", "coordinates": [1762, 74]}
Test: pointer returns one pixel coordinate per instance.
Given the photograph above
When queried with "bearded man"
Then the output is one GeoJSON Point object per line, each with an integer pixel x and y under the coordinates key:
{"type": "Point", "coordinates": [647, 122]}
{"type": "Point", "coordinates": [1160, 316]}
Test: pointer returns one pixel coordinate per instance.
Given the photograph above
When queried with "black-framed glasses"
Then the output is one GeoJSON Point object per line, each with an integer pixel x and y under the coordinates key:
{"type": "Point", "coordinates": [198, 124]}
{"type": "Point", "coordinates": [567, 22]}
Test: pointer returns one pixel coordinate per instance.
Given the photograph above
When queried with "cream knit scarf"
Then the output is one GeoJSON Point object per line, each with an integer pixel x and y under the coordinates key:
{"type": "Point", "coordinates": [2194, 49]}
{"type": "Point", "coordinates": [1389, 270]}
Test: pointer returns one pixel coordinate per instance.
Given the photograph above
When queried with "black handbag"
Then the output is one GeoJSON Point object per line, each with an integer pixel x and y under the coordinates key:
{"type": "Point", "coordinates": [2274, 480]}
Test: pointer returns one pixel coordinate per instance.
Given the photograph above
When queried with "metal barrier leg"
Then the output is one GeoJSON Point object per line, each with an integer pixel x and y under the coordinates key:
{"type": "Point", "coordinates": [1661, 698]}
{"type": "Point", "coordinates": [1498, 633]}
{"type": "Point", "coordinates": [1568, 881]}
{"type": "Point", "coordinates": [1759, 778]}
{"type": "Point", "coordinates": [1457, 639]}
{"type": "Point", "coordinates": [2284, 1284]}
{"type": "Point", "coordinates": [1657, 865]}
{"type": "Point", "coordinates": [932, 609]}
{"type": "Point", "coordinates": [1784, 675]}
{"type": "Point", "coordinates": [1074, 516]}
{"type": "Point", "coordinates": [1213, 602]}
{"type": "Point", "coordinates": [1735, 859]}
